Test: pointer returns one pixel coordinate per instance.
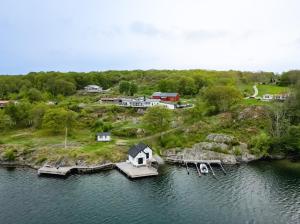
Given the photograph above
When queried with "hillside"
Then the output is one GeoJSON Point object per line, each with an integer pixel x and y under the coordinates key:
{"type": "Point", "coordinates": [42, 105]}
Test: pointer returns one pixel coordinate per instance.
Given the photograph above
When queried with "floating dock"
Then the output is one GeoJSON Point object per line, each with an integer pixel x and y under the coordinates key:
{"type": "Point", "coordinates": [136, 172]}
{"type": "Point", "coordinates": [64, 171]}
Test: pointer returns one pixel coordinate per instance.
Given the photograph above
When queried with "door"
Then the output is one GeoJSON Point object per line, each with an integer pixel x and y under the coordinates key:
{"type": "Point", "coordinates": [140, 161]}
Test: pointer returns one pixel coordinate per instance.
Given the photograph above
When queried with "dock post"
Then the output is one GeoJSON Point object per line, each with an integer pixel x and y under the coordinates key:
{"type": "Point", "coordinates": [211, 169]}
{"type": "Point", "coordinates": [187, 169]}
{"type": "Point", "coordinates": [223, 168]}
{"type": "Point", "coordinates": [199, 173]}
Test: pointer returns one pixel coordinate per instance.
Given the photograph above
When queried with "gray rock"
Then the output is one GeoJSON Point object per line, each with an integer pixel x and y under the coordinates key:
{"type": "Point", "coordinates": [220, 138]}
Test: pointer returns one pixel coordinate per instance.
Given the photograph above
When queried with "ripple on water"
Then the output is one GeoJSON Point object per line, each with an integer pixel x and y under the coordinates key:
{"type": "Point", "coordinates": [258, 193]}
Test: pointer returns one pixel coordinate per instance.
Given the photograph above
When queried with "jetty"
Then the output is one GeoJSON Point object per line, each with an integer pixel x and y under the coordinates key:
{"type": "Point", "coordinates": [132, 171]}
{"type": "Point", "coordinates": [195, 162]}
{"type": "Point", "coordinates": [64, 171]}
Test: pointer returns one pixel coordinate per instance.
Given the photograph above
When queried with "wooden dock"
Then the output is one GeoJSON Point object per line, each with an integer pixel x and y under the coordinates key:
{"type": "Point", "coordinates": [136, 172]}
{"type": "Point", "coordinates": [186, 162]}
{"type": "Point", "coordinates": [64, 171]}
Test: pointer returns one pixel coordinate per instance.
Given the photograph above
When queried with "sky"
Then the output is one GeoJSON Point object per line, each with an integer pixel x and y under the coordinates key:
{"type": "Point", "coordinates": [94, 35]}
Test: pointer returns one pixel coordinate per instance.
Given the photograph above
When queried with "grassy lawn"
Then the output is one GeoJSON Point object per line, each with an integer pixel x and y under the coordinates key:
{"type": "Point", "coordinates": [254, 102]}
{"type": "Point", "coordinates": [271, 89]}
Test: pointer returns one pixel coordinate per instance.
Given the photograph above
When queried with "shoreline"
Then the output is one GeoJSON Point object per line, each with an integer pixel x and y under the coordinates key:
{"type": "Point", "coordinates": [111, 166]}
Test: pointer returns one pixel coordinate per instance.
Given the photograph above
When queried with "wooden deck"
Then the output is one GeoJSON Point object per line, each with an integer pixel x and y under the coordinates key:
{"type": "Point", "coordinates": [186, 162]}
{"type": "Point", "coordinates": [173, 160]}
{"type": "Point", "coordinates": [136, 172]}
{"type": "Point", "coordinates": [63, 171]}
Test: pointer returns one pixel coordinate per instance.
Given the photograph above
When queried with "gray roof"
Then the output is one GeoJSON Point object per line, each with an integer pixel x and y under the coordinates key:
{"type": "Point", "coordinates": [103, 134]}
{"type": "Point", "coordinates": [136, 149]}
{"type": "Point", "coordinates": [165, 94]}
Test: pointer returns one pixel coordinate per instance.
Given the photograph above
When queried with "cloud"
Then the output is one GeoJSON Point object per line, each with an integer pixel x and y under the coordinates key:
{"type": "Point", "coordinates": [202, 35]}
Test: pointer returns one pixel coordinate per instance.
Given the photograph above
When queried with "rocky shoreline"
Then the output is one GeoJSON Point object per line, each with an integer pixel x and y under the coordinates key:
{"type": "Point", "coordinates": [215, 147]}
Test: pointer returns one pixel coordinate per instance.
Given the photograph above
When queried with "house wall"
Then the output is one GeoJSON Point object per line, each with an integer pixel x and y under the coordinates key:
{"type": "Point", "coordinates": [148, 150]}
{"type": "Point", "coordinates": [134, 161]}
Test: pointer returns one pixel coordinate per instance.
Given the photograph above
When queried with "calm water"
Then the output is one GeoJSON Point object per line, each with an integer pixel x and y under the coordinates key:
{"type": "Point", "coordinates": [263, 192]}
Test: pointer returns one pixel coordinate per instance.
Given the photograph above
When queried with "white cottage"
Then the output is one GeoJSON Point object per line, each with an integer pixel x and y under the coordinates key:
{"type": "Point", "coordinates": [103, 137]}
{"type": "Point", "coordinates": [140, 154]}
{"type": "Point", "coordinates": [267, 97]}
{"type": "Point", "coordinates": [93, 89]}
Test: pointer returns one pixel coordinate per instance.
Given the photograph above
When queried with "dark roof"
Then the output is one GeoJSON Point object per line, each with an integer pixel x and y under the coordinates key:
{"type": "Point", "coordinates": [165, 94]}
{"type": "Point", "coordinates": [103, 134]}
{"type": "Point", "coordinates": [136, 149]}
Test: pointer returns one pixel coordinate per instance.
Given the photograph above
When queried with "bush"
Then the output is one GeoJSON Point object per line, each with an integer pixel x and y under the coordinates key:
{"type": "Point", "coordinates": [125, 132]}
{"type": "Point", "coordinates": [237, 152]}
{"type": "Point", "coordinates": [171, 141]}
{"type": "Point", "coordinates": [260, 144]}
{"type": "Point", "coordinates": [9, 155]}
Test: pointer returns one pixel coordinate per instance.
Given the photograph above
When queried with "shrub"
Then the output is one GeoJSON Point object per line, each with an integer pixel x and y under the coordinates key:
{"type": "Point", "coordinates": [237, 152]}
{"type": "Point", "coordinates": [171, 141]}
{"type": "Point", "coordinates": [260, 144]}
{"type": "Point", "coordinates": [125, 132]}
{"type": "Point", "coordinates": [9, 155]}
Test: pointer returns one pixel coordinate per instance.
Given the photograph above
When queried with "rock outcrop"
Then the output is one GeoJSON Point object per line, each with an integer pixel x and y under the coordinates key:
{"type": "Point", "coordinates": [219, 147]}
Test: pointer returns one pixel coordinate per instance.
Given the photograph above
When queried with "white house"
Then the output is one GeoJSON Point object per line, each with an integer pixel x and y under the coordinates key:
{"type": "Point", "coordinates": [267, 97]}
{"type": "Point", "coordinates": [167, 105]}
{"type": "Point", "coordinates": [139, 103]}
{"type": "Point", "coordinates": [281, 97]}
{"type": "Point", "coordinates": [93, 89]}
{"type": "Point", "coordinates": [103, 137]}
{"type": "Point", "coordinates": [140, 154]}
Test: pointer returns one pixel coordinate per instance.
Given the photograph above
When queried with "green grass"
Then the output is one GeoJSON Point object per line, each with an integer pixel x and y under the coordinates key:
{"type": "Point", "coordinates": [271, 89]}
{"type": "Point", "coordinates": [254, 102]}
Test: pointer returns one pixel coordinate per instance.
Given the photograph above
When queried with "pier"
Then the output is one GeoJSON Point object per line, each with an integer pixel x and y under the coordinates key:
{"type": "Point", "coordinates": [64, 171]}
{"type": "Point", "coordinates": [136, 172]}
{"type": "Point", "coordinates": [186, 162]}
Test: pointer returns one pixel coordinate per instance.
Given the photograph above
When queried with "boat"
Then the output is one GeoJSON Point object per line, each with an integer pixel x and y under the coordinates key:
{"type": "Point", "coordinates": [203, 168]}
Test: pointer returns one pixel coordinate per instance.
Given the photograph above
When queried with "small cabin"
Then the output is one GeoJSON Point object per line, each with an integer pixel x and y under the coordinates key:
{"type": "Point", "coordinates": [140, 154]}
{"type": "Point", "coordinates": [103, 137]}
{"type": "Point", "coordinates": [93, 89]}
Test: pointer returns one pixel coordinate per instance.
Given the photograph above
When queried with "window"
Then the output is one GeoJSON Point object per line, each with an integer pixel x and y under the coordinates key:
{"type": "Point", "coordinates": [147, 155]}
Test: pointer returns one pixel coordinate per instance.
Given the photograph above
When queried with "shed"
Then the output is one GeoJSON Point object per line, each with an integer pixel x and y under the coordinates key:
{"type": "Point", "coordinates": [140, 154]}
{"type": "Point", "coordinates": [103, 137]}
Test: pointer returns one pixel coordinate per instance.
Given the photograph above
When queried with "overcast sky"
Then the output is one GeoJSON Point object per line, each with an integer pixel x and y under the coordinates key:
{"type": "Point", "coordinates": [86, 35]}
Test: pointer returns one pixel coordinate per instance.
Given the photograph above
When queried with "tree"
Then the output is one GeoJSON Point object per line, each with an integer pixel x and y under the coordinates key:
{"type": "Point", "coordinates": [280, 121]}
{"type": "Point", "coordinates": [186, 86]}
{"type": "Point", "coordinates": [133, 89]}
{"type": "Point", "coordinates": [128, 88]}
{"type": "Point", "coordinates": [124, 87]}
{"type": "Point", "coordinates": [34, 95]}
{"type": "Point", "coordinates": [157, 119]}
{"type": "Point", "coordinates": [37, 115]}
{"type": "Point", "coordinates": [57, 119]}
{"type": "Point", "coordinates": [19, 113]}
{"type": "Point", "coordinates": [197, 112]}
{"type": "Point", "coordinates": [5, 121]}
{"type": "Point", "coordinates": [222, 97]}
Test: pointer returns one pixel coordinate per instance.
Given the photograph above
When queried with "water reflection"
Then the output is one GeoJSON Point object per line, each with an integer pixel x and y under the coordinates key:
{"type": "Point", "coordinates": [261, 192]}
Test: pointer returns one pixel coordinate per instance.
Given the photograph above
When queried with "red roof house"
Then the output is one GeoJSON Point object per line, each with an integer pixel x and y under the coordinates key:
{"type": "Point", "coordinates": [173, 97]}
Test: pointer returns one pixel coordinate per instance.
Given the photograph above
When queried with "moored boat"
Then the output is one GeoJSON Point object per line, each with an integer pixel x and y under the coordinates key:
{"type": "Point", "coordinates": [203, 168]}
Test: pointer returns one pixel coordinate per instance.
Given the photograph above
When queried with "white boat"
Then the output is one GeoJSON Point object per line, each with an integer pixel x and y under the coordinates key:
{"type": "Point", "coordinates": [203, 168]}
